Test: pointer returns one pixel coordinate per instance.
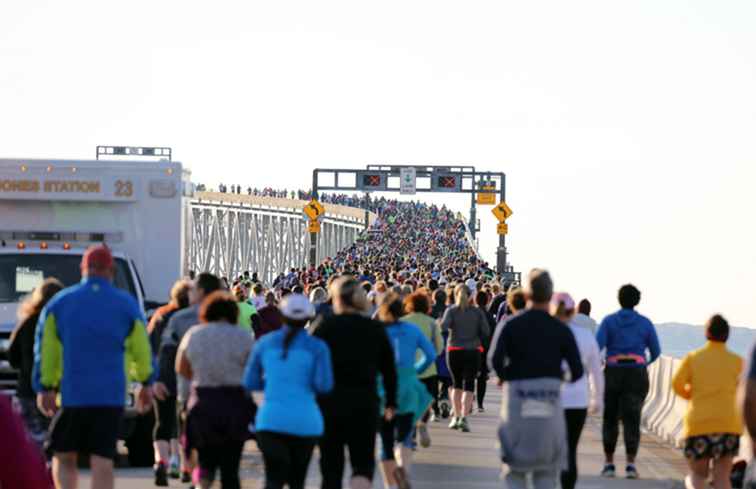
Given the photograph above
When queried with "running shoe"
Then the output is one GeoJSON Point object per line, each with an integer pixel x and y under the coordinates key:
{"type": "Point", "coordinates": [174, 471]}
{"type": "Point", "coordinates": [435, 418]}
{"type": "Point", "coordinates": [402, 481]}
{"type": "Point", "coordinates": [463, 426]}
{"type": "Point", "coordinates": [454, 423]}
{"type": "Point", "coordinates": [445, 409]}
{"type": "Point", "coordinates": [186, 477]}
{"type": "Point", "coordinates": [609, 471]}
{"type": "Point", "coordinates": [481, 409]}
{"type": "Point", "coordinates": [161, 475]}
{"type": "Point", "coordinates": [425, 439]}
{"type": "Point", "coordinates": [631, 472]}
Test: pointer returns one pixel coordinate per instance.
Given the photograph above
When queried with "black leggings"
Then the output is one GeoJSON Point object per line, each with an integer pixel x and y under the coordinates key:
{"type": "Point", "coordinates": [575, 419]}
{"type": "Point", "coordinates": [352, 425]}
{"type": "Point", "coordinates": [225, 457]}
{"type": "Point", "coordinates": [286, 459]}
{"type": "Point", "coordinates": [463, 366]}
{"type": "Point", "coordinates": [482, 381]}
{"type": "Point", "coordinates": [394, 433]}
{"type": "Point", "coordinates": [166, 419]}
{"type": "Point", "coordinates": [626, 389]}
{"type": "Point", "coordinates": [431, 383]}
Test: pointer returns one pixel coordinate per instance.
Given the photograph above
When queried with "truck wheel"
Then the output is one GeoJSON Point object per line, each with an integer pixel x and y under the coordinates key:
{"type": "Point", "coordinates": [139, 442]}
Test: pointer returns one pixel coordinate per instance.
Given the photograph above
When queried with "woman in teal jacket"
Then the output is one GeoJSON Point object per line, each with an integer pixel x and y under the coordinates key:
{"type": "Point", "coordinates": [292, 368]}
{"type": "Point", "coordinates": [413, 398]}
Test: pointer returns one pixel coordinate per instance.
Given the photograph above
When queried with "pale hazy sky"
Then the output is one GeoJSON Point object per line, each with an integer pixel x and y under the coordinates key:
{"type": "Point", "coordinates": [627, 129]}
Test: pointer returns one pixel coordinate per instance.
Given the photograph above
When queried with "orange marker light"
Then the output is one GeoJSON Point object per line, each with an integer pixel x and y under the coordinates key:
{"type": "Point", "coordinates": [21, 245]}
{"type": "Point", "coordinates": [43, 246]}
{"type": "Point", "coordinates": [66, 246]}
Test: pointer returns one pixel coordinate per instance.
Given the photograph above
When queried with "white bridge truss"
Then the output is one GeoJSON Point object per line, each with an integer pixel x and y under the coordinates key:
{"type": "Point", "coordinates": [228, 238]}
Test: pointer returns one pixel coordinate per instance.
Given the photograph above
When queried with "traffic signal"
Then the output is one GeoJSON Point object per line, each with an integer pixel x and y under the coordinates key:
{"type": "Point", "coordinates": [445, 182]}
{"type": "Point", "coordinates": [370, 181]}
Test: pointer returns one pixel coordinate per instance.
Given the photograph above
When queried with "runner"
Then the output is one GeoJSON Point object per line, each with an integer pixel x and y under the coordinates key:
{"type": "Point", "coordinates": [360, 350]}
{"type": "Point", "coordinates": [212, 356]}
{"type": "Point", "coordinates": [468, 332]}
{"type": "Point", "coordinates": [481, 301]}
{"type": "Point", "coordinates": [165, 434]}
{"type": "Point", "coordinates": [23, 466]}
{"type": "Point", "coordinates": [413, 398]}
{"type": "Point", "coordinates": [708, 378]}
{"type": "Point", "coordinates": [417, 306]}
{"type": "Point", "coordinates": [292, 368]}
{"type": "Point", "coordinates": [89, 365]}
{"type": "Point", "coordinates": [247, 312]}
{"type": "Point", "coordinates": [586, 396]}
{"type": "Point", "coordinates": [583, 318]}
{"type": "Point", "coordinates": [21, 356]}
{"type": "Point", "coordinates": [169, 384]}
{"type": "Point", "coordinates": [270, 317]}
{"type": "Point", "coordinates": [528, 356]}
{"type": "Point", "coordinates": [626, 336]}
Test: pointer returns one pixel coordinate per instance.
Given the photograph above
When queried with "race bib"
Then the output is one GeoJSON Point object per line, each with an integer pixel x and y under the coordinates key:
{"type": "Point", "coordinates": [537, 409]}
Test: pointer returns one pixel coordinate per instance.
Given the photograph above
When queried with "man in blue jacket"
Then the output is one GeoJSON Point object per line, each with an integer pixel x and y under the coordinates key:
{"type": "Point", "coordinates": [631, 345]}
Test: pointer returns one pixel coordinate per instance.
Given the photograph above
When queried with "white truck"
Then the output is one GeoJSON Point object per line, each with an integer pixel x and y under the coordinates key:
{"type": "Point", "coordinates": [52, 210]}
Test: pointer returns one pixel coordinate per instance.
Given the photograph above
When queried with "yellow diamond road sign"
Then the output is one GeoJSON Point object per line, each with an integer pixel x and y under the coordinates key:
{"type": "Point", "coordinates": [502, 211]}
{"type": "Point", "coordinates": [314, 209]}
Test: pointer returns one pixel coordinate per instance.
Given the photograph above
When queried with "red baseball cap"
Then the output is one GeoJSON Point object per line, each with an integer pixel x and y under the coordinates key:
{"type": "Point", "coordinates": [97, 257]}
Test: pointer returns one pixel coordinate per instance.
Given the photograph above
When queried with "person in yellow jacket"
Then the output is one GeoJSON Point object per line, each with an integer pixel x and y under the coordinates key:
{"type": "Point", "coordinates": [708, 378]}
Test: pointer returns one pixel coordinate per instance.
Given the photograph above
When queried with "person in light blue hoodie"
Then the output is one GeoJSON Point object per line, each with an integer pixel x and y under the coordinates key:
{"type": "Point", "coordinates": [292, 368]}
{"type": "Point", "coordinates": [631, 344]}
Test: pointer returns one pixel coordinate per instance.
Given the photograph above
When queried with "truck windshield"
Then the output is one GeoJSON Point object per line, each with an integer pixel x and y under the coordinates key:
{"type": "Point", "coordinates": [21, 273]}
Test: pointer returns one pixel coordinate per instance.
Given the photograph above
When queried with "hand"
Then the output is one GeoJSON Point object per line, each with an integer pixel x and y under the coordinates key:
{"type": "Point", "coordinates": [389, 413]}
{"type": "Point", "coordinates": [144, 399]}
{"type": "Point", "coordinates": [47, 403]}
{"type": "Point", "coordinates": [160, 391]}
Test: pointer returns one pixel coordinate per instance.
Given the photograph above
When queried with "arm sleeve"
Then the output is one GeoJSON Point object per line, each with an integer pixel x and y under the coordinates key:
{"type": "Point", "coordinates": [387, 367]}
{"type": "Point", "coordinates": [595, 373]}
{"type": "Point", "coordinates": [253, 373]}
{"type": "Point", "coordinates": [681, 379]}
{"type": "Point", "coordinates": [571, 353]}
{"type": "Point", "coordinates": [139, 353]}
{"type": "Point", "coordinates": [429, 353]}
{"type": "Point", "coordinates": [484, 328]}
{"type": "Point", "coordinates": [438, 341]}
{"type": "Point", "coordinates": [446, 321]}
{"type": "Point", "coordinates": [48, 354]}
{"type": "Point", "coordinates": [492, 345]}
{"type": "Point", "coordinates": [15, 350]}
{"type": "Point", "coordinates": [498, 353]}
{"type": "Point", "coordinates": [653, 343]}
{"type": "Point", "coordinates": [601, 336]}
{"type": "Point", "coordinates": [323, 372]}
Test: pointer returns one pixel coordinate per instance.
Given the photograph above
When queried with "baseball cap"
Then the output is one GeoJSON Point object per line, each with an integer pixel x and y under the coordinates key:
{"type": "Point", "coordinates": [563, 298]}
{"type": "Point", "coordinates": [472, 285]}
{"type": "Point", "coordinates": [97, 257]}
{"type": "Point", "coordinates": [297, 306]}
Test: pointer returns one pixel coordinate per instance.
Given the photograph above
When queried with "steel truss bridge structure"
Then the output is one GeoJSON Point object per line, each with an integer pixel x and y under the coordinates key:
{"type": "Point", "coordinates": [233, 233]}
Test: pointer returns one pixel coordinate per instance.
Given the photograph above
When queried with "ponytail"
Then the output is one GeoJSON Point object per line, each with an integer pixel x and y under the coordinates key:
{"type": "Point", "coordinates": [295, 327]}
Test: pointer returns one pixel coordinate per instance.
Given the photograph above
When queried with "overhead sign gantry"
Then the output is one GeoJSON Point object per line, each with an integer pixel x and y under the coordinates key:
{"type": "Point", "coordinates": [483, 186]}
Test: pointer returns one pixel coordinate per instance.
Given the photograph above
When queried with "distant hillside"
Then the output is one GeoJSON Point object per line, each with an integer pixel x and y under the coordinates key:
{"type": "Point", "coordinates": [678, 339]}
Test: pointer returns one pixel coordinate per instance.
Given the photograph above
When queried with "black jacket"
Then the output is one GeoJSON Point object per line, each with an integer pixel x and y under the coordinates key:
{"type": "Point", "coordinates": [21, 353]}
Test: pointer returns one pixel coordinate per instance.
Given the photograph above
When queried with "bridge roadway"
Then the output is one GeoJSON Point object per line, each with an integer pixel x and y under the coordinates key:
{"type": "Point", "coordinates": [461, 461]}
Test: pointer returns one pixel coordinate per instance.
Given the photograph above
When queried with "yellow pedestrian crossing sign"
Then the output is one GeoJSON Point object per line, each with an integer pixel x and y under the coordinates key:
{"type": "Point", "coordinates": [502, 212]}
{"type": "Point", "coordinates": [313, 210]}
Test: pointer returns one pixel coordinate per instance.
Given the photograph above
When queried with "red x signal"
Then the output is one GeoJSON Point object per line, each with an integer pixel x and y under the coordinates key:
{"type": "Point", "coordinates": [447, 182]}
{"type": "Point", "coordinates": [372, 180]}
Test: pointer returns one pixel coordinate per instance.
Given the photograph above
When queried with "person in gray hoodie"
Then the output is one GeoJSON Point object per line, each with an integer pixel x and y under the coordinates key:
{"type": "Point", "coordinates": [528, 356]}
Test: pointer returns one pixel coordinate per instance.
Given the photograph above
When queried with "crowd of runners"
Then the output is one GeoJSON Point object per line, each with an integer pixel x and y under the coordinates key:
{"type": "Point", "coordinates": [400, 330]}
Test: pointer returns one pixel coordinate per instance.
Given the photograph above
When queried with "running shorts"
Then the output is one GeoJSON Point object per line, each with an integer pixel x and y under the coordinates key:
{"type": "Point", "coordinates": [464, 366]}
{"type": "Point", "coordinates": [91, 430]}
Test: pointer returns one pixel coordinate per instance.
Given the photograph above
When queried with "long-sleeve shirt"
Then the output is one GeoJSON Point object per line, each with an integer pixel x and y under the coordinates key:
{"type": "Point", "coordinates": [468, 328]}
{"type": "Point", "coordinates": [627, 336]}
{"type": "Point", "coordinates": [21, 354]}
{"type": "Point", "coordinates": [291, 383]}
{"type": "Point", "coordinates": [708, 378]}
{"type": "Point", "coordinates": [431, 331]}
{"type": "Point", "coordinates": [90, 338]}
{"type": "Point", "coordinates": [590, 387]}
{"type": "Point", "coordinates": [533, 345]}
{"type": "Point", "coordinates": [360, 350]}
{"type": "Point", "coordinates": [407, 339]}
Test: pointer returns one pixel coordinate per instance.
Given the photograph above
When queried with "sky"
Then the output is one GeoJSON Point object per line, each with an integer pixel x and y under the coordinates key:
{"type": "Point", "coordinates": [626, 129]}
